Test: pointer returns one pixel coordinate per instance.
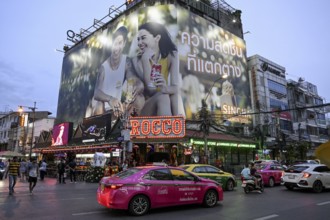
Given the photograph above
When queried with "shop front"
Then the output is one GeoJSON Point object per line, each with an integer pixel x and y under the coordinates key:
{"type": "Point", "coordinates": [226, 151]}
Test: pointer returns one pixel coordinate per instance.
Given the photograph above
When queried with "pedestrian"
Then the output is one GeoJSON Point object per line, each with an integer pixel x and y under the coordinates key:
{"type": "Point", "coordinates": [13, 172]}
{"type": "Point", "coordinates": [33, 169]}
{"type": "Point", "coordinates": [43, 169]}
{"type": "Point", "coordinates": [22, 170]}
{"type": "Point", "coordinates": [61, 171]}
{"type": "Point", "coordinates": [72, 169]}
{"type": "Point", "coordinates": [124, 166]}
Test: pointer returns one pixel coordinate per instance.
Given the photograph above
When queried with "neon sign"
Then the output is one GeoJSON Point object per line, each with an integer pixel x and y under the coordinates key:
{"type": "Point", "coordinates": [157, 127]}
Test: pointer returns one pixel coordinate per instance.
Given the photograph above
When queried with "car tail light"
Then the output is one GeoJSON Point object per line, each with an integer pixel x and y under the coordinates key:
{"type": "Point", "coordinates": [306, 175]}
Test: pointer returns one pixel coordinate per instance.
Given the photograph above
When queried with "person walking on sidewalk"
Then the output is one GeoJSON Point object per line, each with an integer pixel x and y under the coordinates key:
{"type": "Point", "coordinates": [61, 171]}
{"type": "Point", "coordinates": [33, 169]}
{"type": "Point", "coordinates": [13, 172]}
{"type": "Point", "coordinates": [43, 169]}
{"type": "Point", "coordinates": [22, 170]}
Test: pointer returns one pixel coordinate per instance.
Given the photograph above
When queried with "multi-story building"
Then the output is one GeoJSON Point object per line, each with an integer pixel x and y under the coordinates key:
{"type": "Point", "coordinates": [272, 95]}
{"type": "Point", "coordinates": [308, 118]}
{"type": "Point", "coordinates": [269, 98]}
{"type": "Point", "coordinates": [209, 66]}
{"type": "Point", "coordinates": [16, 129]}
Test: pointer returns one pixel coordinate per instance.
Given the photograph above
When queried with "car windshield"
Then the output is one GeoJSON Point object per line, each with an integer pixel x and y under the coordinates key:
{"type": "Point", "coordinates": [260, 166]}
{"type": "Point", "coordinates": [127, 173]}
{"type": "Point", "coordinates": [296, 169]}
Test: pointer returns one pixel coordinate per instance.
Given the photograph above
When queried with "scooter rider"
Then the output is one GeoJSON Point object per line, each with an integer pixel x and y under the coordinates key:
{"type": "Point", "coordinates": [253, 172]}
{"type": "Point", "coordinates": [246, 173]}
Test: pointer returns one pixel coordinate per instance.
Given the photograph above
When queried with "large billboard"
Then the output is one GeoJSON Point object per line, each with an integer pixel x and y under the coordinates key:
{"type": "Point", "coordinates": [61, 134]}
{"type": "Point", "coordinates": [159, 61]}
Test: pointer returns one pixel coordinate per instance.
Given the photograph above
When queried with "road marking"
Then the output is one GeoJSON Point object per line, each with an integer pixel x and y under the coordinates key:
{"type": "Point", "coordinates": [88, 213]}
{"type": "Point", "coordinates": [71, 198]}
{"type": "Point", "coordinates": [267, 217]}
{"type": "Point", "coordinates": [323, 203]}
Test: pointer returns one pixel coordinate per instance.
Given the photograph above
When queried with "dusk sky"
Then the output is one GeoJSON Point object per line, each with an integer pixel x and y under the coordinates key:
{"type": "Point", "coordinates": [293, 34]}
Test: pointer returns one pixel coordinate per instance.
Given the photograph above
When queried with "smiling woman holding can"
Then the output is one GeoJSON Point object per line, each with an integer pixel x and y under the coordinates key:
{"type": "Point", "coordinates": [157, 66]}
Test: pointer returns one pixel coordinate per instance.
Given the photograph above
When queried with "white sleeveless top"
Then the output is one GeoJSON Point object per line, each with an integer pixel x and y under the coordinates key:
{"type": "Point", "coordinates": [113, 80]}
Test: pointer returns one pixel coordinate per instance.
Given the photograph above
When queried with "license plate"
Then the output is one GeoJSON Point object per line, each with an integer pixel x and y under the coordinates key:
{"type": "Point", "coordinates": [291, 177]}
{"type": "Point", "coordinates": [243, 185]}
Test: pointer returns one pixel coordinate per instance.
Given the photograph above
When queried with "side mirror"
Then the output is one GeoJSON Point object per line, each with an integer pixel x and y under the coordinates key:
{"type": "Point", "coordinates": [197, 179]}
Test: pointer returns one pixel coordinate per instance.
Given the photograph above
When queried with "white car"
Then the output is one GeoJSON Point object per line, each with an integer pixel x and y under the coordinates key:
{"type": "Point", "coordinates": [313, 176]}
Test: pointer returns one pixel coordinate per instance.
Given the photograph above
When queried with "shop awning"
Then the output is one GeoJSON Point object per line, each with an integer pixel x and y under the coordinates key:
{"type": "Point", "coordinates": [76, 149]}
{"type": "Point", "coordinates": [218, 136]}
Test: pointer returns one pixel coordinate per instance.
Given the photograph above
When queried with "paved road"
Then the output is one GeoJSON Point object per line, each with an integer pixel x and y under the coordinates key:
{"type": "Point", "coordinates": [52, 201]}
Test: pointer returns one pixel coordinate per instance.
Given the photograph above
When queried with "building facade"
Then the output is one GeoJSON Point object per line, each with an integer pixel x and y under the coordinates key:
{"type": "Point", "coordinates": [206, 39]}
{"type": "Point", "coordinates": [16, 129]}
{"type": "Point", "coordinates": [309, 122]}
{"type": "Point", "coordinates": [269, 98]}
{"type": "Point", "coordinates": [290, 117]}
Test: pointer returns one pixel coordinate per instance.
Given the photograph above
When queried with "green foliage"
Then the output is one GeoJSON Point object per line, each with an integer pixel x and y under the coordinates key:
{"type": "Point", "coordinates": [297, 151]}
{"type": "Point", "coordinates": [94, 174]}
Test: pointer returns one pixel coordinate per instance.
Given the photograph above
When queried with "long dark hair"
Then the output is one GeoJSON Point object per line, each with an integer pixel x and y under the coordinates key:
{"type": "Point", "coordinates": [166, 45]}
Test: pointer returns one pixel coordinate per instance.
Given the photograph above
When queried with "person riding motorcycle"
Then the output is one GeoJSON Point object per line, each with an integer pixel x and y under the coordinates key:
{"type": "Point", "coordinates": [246, 174]}
{"type": "Point", "coordinates": [253, 172]}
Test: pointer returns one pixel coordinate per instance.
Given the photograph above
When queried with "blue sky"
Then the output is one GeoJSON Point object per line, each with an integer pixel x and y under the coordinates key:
{"type": "Point", "coordinates": [293, 34]}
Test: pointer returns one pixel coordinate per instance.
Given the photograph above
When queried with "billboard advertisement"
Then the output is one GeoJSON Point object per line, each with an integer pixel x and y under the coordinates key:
{"type": "Point", "coordinates": [61, 134]}
{"type": "Point", "coordinates": [94, 129]}
{"type": "Point", "coordinates": [158, 61]}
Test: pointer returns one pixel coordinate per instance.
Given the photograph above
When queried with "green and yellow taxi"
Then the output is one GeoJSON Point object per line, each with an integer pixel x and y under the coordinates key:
{"type": "Point", "coordinates": [227, 180]}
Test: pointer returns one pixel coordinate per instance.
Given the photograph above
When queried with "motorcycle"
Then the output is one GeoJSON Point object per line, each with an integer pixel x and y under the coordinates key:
{"type": "Point", "coordinates": [249, 184]}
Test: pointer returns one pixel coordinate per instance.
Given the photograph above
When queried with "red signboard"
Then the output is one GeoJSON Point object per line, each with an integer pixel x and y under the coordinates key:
{"type": "Point", "coordinates": [157, 127]}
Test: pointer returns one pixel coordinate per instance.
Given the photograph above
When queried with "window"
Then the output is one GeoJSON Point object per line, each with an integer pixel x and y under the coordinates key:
{"type": "Point", "coordinates": [276, 104]}
{"type": "Point", "coordinates": [127, 173]}
{"type": "Point", "coordinates": [211, 170]}
{"type": "Point", "coordinates": [199, 170]}
{"type": "Point", "coordinates": [321, 169]}
{"type": "Point", "coordinates": [318, 101]}
{"type": "Point", "coordinates": [277, 87]}
{"type": "Point", "coordinates": [159, 174]}
{"type": "Point", "coordinates": [182, 175]}
{"type": "Point", "coordinates": [285, 125]}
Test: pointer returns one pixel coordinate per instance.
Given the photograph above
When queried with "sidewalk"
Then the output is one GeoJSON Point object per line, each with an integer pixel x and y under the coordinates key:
{"type": "Point", "coordinates": [48, 184]}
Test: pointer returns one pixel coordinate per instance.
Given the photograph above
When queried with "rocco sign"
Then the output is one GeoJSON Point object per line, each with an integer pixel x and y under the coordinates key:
{"type": "Point", "coordinates": [157, 127]}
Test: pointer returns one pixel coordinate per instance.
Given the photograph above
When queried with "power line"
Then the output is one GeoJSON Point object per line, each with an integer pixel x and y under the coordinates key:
{"type": "Point", "coordinates": [274, 111]}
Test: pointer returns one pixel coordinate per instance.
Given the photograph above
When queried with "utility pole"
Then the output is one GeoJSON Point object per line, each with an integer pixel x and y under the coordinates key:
{"type": "Point", "coordinates": [34, 118]}
{"type": "Point", "coordinates": [205, 128]}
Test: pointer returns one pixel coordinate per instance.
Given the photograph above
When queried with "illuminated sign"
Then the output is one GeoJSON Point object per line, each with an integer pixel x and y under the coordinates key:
{"type": "Point", "coordinates": [222, 144]}
{"type": "Point", "coordinates": [61, 134]}
{"type": "Point", "coordinates": [157, 127]}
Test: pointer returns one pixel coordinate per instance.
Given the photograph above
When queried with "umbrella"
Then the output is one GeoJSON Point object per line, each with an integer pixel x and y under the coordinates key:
{"type": "Point", "coordinates": [10, 154]}
{"type": "Point", "coordinates": [323, 153]}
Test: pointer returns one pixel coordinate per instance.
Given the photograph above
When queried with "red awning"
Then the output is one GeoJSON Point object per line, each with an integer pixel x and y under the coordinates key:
{"type": "Point", "coordinates": [75, 149]}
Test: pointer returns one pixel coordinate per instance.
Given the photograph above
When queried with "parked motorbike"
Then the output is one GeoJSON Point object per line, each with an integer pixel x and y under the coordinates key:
{"type": "Point", "coordinates": [249, 185]}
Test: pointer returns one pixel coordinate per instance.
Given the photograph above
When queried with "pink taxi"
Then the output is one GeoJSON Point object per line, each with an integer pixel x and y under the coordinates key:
{"type": "Point", "coordinates": [271, 173]}
{"type": "Point", "coordinates": [139, 189]}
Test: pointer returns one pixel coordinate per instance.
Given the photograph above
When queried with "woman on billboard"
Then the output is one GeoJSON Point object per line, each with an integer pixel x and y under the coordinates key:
{"type": "Point", "coordinates": [157, 66]}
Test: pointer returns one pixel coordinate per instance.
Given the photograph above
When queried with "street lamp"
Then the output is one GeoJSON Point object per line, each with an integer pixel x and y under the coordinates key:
{"type": "Point", "coordinates": [33, 109]}
{"type": "Point", "coordinates": [205, 117]}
